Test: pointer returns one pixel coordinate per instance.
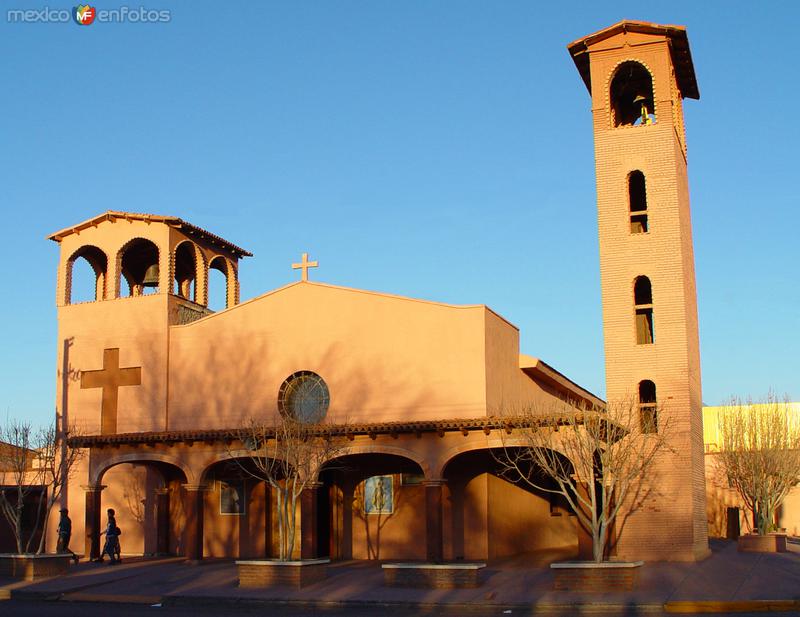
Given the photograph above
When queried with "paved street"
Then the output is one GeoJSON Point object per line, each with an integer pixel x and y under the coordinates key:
{"type": "Point", "coordinates": [90, 609]}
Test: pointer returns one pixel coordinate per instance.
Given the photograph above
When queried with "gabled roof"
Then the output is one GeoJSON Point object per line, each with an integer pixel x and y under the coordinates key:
{"type": "Point", "coordinates": [679, 48]}
{"type": "Point", "coordinates": [172, 221]}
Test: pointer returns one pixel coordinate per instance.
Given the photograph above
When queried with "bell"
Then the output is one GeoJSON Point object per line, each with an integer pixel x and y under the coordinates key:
{"type": "Point", "coordinates": [151, 277]}
{"type": "Point", "coordinates": [645, 114]}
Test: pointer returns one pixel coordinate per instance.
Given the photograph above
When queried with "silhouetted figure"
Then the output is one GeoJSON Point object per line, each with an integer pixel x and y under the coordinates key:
{"type": "Point", "coordinates": [111, 546]}
{"type": "Point", "coordinates": [64, 534]}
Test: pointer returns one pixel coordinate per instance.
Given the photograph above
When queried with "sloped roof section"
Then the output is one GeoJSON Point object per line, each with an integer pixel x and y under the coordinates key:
{"type": "Point", "coordinates": [679, 47]}
{"type": "Point", "coordinates": [173, 221]}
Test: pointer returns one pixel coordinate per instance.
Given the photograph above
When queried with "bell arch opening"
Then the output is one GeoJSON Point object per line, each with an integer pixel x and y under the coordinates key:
{"type": "Point", "coordinates": [87, 270]}
{"type": "Point", "coordinates": [219, 273]}
{"type": "Point", "coordinates": [139, 268]}
{"type": "Point", "coordinates": [185, 280]}
{"type": "Point", "coordinates": [631, 96]}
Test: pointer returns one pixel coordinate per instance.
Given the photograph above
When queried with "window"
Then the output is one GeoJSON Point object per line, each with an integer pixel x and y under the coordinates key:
{"type": "Point", "coordinates": [304, 396]}
{"type": "Point", "coordinates": [631, 94]}
{"type": "Point", "coordinates": [643, 301]}
{"type": "Point", "coordinates": [648, 411]}
{"type": "Point", "coordinates": [637, 202]}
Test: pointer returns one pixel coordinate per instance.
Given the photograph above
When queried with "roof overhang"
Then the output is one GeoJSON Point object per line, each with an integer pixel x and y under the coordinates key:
{"type": "Point", "coordinates": [172, 221]}
{"type": "Point", "coordinates": [541, 371]}
{"type": "Point", "coordinates": [679, 49]}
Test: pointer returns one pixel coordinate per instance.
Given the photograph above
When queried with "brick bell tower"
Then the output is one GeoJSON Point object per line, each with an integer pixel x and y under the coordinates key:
{"type": "Point", "coordinates": [638, 74]}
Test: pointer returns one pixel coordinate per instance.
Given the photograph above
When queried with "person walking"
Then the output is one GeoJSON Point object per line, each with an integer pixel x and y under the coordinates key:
{"type": "Point", "coordinates": [64, 534]}
{"type": "Point", "coordinates": [111, 546]}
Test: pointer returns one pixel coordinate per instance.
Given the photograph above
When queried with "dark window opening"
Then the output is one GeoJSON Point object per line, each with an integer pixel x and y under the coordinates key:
{"type": "Point", "coordinates": [643, 301]}
{"type": "Point", "coordinates": [139, 267]}
{"type": "Point", "coordinates": [632, 101]}
{"type": "Point", "coordinates": [637, 200]}
{"type": "Point", "coordinates": [648, 409]}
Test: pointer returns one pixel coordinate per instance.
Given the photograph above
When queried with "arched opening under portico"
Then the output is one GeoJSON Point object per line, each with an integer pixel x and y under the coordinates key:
{"type": "Point", "coordinates": [371, 506]}
{"type": "Point", "coordinates": [238, 511]}
{"type": "Point", "coordinates": [147, 498]}
{"type": "Point", "coordinates": [491, 514]}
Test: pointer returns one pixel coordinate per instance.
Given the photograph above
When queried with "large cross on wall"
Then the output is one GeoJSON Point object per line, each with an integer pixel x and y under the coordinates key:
{"type": "Point", "coordinates": [111, 378]}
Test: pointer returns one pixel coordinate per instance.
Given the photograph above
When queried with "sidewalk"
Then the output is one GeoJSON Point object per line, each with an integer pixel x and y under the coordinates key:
{"type": "Point", "coordinates": [726, 581]}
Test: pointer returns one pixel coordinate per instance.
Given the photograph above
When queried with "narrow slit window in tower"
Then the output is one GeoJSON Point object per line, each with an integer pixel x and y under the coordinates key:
{"type": "Point", "coordinates": [637, 200]}
{"type": "Point", "coordinates": [648, 409]}
{"type": "Point", "coordinates": [643, 301]}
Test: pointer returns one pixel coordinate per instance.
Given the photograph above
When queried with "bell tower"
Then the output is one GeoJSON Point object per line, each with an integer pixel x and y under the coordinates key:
{"type": "Point", "coordinates": [638, 74]}
{"type": "Point", "coordinates": [141, 276]}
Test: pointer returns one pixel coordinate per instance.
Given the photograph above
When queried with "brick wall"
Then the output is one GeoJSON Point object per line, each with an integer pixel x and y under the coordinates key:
{"type": "Point", "coordinates": [672, 525]}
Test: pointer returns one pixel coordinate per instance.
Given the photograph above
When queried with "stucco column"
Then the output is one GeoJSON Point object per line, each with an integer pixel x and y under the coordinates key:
{"type": "Point", "coordinates": [92, 524]}
{"type": "Point", "coordinates": [433, 520]}
{"type": "Point", "coordinates": [308, 521]}
{"type": "Point", "coordinates": [162, 521]}
{"type": "Point", "coordinates": [193, 506]}
{"type": "Point", "coordinates": [348, 496]}
{"type": "Point", "coordinates": [267, 520]}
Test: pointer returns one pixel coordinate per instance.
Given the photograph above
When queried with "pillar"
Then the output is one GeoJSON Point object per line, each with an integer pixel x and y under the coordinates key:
{"type": "Point", "coordinates": [267, 520]}
{"type": "Point", "coordinates": [308, 521]}
{"type": "Point", "coordinates": [162, 521]}
{"type": "Point", "coordinates": [433, 520]}
{"type": "Point", "coordinates": [92, 524]}
{"type": "Point", "coordinates": [348, 496]}
{"type": "Point", "coordinates": [193, 506]}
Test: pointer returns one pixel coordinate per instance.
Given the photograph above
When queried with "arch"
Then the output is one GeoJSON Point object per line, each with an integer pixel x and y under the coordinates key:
{"type": "Point", "coordinates": [96, 474]}
{"type": "Point", "coordinates": [489, 443]}
{"type": "Point", "coordinates": [98, 261]}
{"type": "Point", "coordinates": [643, 311]}
{"type": "Point", "coordinates": [185, 279]}
{"type": "Point", "coordinates": [648, 407]}
{"type": "Point", "coordinates": [509, 504]}
{"type": "Point", "coordinates": [637, 202]}
{"type": "Point", "coordinates": [219, 299]}
{"type": "Point", "coordinates": [631, 98]}
{"type": "Point", "coordinates": [138, 264]}
{"type": "Point", "coordinates": [392, 451]}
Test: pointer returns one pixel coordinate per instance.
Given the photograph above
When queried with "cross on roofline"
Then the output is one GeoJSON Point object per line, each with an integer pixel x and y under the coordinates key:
{"type": "Point", "coordinates": [304, 265]}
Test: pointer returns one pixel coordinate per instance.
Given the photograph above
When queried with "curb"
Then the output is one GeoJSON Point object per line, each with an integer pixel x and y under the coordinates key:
{"type": "Point", "coordinates": [421, 608]}
{"type": "Point", "coordinates": [732, 606]}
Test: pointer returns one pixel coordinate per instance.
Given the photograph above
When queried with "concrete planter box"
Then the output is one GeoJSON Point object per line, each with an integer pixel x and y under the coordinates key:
{"type": "Point", "coordinates": [590, 576]}
{"type": "Point", "coordinates": [769, 543]}
{"type": "Point", "coordinates": [432, 575]}
{"type": "Point", "coordinates": [30, 567]}
{"type": "Point", "coordinates": [271, 572]}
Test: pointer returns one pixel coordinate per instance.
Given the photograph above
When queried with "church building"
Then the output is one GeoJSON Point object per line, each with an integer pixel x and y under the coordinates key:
{"type": "Point", "coordinates": [155, 381]}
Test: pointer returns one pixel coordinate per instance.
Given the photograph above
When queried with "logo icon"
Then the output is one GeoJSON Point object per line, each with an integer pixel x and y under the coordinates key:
{"type": "Point", "coordinates": [84, 15]}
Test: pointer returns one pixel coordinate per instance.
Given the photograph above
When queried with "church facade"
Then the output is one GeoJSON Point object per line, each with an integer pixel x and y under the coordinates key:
{"type": "Point", "coordinates": [154, 380]}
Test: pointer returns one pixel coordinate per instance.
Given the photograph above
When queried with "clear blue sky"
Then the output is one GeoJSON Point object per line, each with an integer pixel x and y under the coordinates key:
{"type": "Point", "coordinates": [440, 150]}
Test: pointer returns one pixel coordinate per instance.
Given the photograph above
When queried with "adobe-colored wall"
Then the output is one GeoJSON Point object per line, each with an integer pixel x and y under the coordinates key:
{"type": "Point", "coordinates": [401, 534]}
{"type": "Point", "coordinates": [521, 522]}
{"type": "Point", "coordinates": [382, 358]}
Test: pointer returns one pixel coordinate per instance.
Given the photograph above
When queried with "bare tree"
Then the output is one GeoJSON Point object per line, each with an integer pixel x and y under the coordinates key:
{"type": "Point", "coordinates": [33, 461]}
{"type": "Point", "coordinates": [596, 458]}
{"type": "Point", "coordinates": [760, 454]}
{"type": "Point", "coordinates": [289, 457]}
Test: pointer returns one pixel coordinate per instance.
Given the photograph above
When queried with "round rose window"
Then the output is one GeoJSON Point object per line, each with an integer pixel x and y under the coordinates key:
{"type": "Point", "coordinates": [305, 397]}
